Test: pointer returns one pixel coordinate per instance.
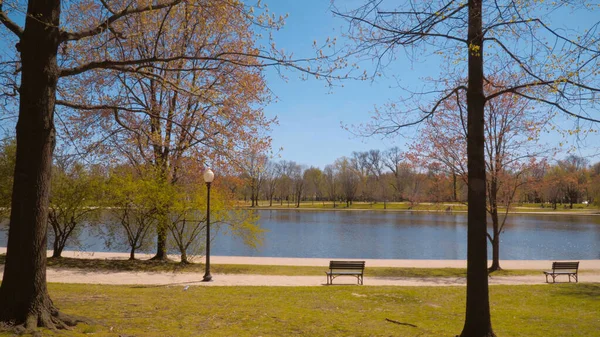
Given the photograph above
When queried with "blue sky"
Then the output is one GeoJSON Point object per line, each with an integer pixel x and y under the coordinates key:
{"type": "Point", "coordinates": [310, 113]}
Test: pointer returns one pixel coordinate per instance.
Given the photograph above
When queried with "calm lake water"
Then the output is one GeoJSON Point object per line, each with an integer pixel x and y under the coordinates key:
{"type": "Point", "coordinates": [402, 235]}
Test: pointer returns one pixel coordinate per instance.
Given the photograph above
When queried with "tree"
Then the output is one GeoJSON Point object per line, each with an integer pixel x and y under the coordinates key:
{"type": "Point", "coordinates": [254, 167]}
{"type": "Point", "coordinates": [574, 177]}
{"type": "Point", "coordinates": [187, 218]}
{"type": "Point", "coordinates": [91, 38]}
{"type": "Point", "coordinates": [297, 174]}
{"type": "Point", "coordinates": [360, 164]}
{"type": "Point", "coordinates": [134, 200]}
{"type": "Point", "coordinates": [330, 178]}
{"type": "Point", "coordinates": [271, 181]}
{"type": "Point", "coordinates": [190, 108]}
{"type": "Point", "coordinates": [71, 202]}
{"type": "Point", "coordinates": [284, 180]}
{"type": "Point", "coordinates": [348, 178]}
{"type": "Point", "coordinates": [392, 159]}
{"type": "Point", "coordinates": [314, 180]}
{"type": "Point", "coordinates": [511, 134]}
{"type": "Point", "coordinates": [376, 169]}
{"type": "Point", "coordinates": [554, 188]}
{"type": "Point", "coordinates": [556, 69]}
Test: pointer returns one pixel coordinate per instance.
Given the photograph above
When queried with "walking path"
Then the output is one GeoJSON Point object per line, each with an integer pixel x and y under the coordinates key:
{"type": "Point", "coordinates": [185, 279]}
{"type": "Point", "coordinates": [590, 268]}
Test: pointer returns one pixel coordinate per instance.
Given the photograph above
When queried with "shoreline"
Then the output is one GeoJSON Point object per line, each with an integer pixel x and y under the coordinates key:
{"type": "Point", "coordinates": [594, 212]}
{"type": "Point", "coordinates": [320, 262]}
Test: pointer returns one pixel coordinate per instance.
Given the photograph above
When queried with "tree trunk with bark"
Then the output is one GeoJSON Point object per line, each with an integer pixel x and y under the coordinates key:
{"type": "Point", "coordinates": [454, 187]}
{"type": "Point", "coordinates": [162, 224]}
{"type": "Point", "coordinates": [495, 253]}
{"type": "Point", "coordinates": [477, 319]}
{"type": "Point", "coordinates": [23, 293]}
{"type": "Point", "coordinates": [184, 259]}
{"type": "Point", "coordinates": [493, 201]}
{"type": "Point", "coordinates": [57, 249]}
{"type": "Point", "coordinates": [161, 241]}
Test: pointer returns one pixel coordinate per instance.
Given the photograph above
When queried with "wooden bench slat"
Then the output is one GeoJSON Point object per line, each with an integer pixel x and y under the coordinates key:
{"type": "Point", "coordinates": [563, 268]}
{"type": "Point", "coordinates": [345, 268]}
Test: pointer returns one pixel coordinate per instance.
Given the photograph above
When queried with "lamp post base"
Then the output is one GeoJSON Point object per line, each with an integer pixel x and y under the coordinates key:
{"type": "Point", "coordinates": [207, 278]}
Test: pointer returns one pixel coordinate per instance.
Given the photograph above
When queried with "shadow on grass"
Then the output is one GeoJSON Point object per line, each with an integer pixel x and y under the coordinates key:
{"type": "Point", "coordinates": [147, 286]}
{"type": "Point", "coordinates": [580, 290]}
{"type": "Point", "coordinates": [118, 265]}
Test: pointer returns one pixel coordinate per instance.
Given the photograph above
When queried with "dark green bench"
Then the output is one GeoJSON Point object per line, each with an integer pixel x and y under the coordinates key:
{"type": "Point", "coordinates": [563, 268]}
{"type": "Point", "coordinates": [345, 268]}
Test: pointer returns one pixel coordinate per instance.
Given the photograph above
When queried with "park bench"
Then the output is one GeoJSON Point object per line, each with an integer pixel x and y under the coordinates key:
{"type": "Point", "coordinates": [345, 268]}
{"type": "Point", "coordinates": [563, 268]}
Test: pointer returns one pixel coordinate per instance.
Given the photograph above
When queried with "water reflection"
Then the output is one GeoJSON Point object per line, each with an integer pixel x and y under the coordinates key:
{"type": "Point", "coordinates": [407, 235]}
{"type": "Point", "coordinates": [399, 235]}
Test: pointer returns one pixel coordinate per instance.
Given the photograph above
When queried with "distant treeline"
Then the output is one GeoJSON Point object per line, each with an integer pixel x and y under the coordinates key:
{"type": "Point", "coordinates": [380, 176]}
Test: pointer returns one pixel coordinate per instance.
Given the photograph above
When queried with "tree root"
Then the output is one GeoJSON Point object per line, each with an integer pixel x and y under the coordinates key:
{"type": "Point", "coordinates": [160, 258]}
{"type": "Point", "coordinates": [50, 319]}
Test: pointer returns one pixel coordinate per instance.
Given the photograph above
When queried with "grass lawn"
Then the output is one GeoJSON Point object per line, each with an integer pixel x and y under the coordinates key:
{"type": "Point", "coordinates": [154, 266]}
{"type": "Point", "coordinates": [426, 206]}
{"type": "Point", "coordinates": [544, 310]}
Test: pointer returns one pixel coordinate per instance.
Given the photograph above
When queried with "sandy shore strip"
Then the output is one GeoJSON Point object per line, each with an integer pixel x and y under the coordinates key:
{"type": "Point", "coordinates": [292, 261]}
{"type": "Point", "coordinates": [170, 279]}
{"type": "Point", "coordinates": [186, 279]}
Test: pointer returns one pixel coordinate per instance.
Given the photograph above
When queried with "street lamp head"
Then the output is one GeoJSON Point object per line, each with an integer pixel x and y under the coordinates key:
{"type": "Point", "coordinates": [209, 176]}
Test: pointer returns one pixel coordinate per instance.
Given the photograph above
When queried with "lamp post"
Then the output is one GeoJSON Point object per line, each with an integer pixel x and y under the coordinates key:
{"type": "Point", "coordinates": [209, 176]}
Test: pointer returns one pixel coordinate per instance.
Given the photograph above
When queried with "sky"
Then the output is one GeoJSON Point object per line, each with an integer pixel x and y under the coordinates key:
{"type": "Point", "coordinates": [310, 114]}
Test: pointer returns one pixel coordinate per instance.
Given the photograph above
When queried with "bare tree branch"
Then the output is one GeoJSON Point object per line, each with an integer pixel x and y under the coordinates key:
{"type": "Point", "coordinates": [11, 25]}
{"type": "Point", "coordinates": [106, 24]}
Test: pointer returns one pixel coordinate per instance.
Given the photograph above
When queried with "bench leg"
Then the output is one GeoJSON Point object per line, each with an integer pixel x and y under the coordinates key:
{"type": "Point", "coordinates": [546, 278]}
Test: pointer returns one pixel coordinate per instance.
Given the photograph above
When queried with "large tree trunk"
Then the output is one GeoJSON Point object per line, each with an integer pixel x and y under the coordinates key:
{"type": "Point", "coordinates": [495, 231]}
{"type": "Point", "coordinates": [60, 238]}
{"type": "Point", "coordinates": [493, 201]}
{"type": "Point", "coordinates": [477, 319]}
{"type": "Point", "coordinates": [161, 242]}
{"type": "Point", "coordinates": [162, 225]}
{"type": "Point", "coordinates": [23, 293]}
{"type": "Point", "coordinates": [495, 253]}
{"type": "Point", "coordinates": [184, 259]}
{"type": "Point", "coordinates": [57, 249]}
{"type": "Point", "coordinates": [252, 194]}
{"type": "Point", "coordinates": [454, 187]}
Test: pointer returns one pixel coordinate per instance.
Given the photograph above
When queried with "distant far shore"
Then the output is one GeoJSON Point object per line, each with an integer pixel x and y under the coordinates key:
{"type": "Point", "coordinates": [423, 209]}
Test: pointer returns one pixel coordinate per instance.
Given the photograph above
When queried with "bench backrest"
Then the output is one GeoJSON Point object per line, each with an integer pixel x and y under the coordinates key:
{"type": "Point", "coordinates": [346, 264]}
{"type": "Point", "coordinates": [565, 265]}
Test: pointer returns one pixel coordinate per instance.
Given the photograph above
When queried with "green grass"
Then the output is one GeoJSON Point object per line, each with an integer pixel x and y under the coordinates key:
{"type": "Point", "coordinates": [171, 266]}
{"type": "Point", "coordinates": [524, 311]}
{"type": "Point", "coordinates": [426, 206]}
